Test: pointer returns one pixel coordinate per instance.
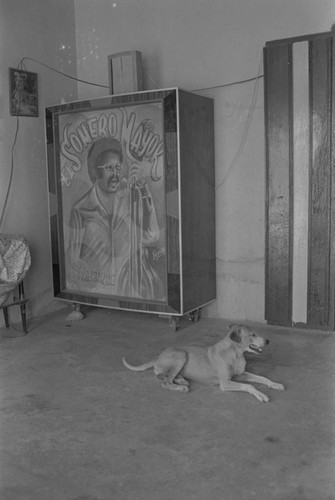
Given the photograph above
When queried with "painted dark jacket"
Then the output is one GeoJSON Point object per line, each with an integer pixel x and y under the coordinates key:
{"type": "Point", "coordinates": [110, 249]}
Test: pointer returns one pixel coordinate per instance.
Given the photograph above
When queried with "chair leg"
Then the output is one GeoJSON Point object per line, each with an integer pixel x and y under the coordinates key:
{"type": "Point", "coordinates": [23, 307]}
{"type": "Point", "coordinates": [6, 316]}
{"type": "Point", "coordinates": [23, 317]}
{"type": "Point", "coordinates": [21, 291]}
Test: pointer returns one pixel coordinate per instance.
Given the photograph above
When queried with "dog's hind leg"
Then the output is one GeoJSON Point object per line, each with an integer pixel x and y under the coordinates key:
{"type": "Point", "coordinates": [173, 380]}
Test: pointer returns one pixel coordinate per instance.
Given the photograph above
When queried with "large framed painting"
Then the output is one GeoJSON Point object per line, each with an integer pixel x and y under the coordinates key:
{"type": "Point", "coordinates": [115, 208]}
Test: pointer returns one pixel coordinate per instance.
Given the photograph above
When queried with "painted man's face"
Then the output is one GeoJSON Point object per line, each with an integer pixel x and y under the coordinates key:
{"type": "Point", "coordinates": [20, 81]}
{"type": "Point", "coordinates": [109, 172]}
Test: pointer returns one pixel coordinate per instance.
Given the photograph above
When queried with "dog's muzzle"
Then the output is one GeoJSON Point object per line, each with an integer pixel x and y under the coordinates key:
{"type": "Point", "coordinates": [256, 348]}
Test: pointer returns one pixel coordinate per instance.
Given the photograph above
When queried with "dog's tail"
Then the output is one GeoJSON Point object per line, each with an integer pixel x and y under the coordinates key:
{"type": "Point", "coordinates": [140, 368]}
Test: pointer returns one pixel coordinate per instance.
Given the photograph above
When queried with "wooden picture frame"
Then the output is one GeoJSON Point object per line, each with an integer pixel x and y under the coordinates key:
{"type": "Point", "coordinates": [125, 72]}
{"type": "Point", "coordinates": [23, 93]}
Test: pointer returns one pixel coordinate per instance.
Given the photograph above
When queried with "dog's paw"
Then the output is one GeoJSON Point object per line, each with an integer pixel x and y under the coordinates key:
{"type": "Point", "coordinates": [175, 387]}
{"type": "Point", "coordinates": [181, 381]}
{"type": "Point", "coordinates": [183, 388]}
{"type": "Point", "coordinates": [277, 387]}
{"type": "Point", "coordinates": [263, 398]}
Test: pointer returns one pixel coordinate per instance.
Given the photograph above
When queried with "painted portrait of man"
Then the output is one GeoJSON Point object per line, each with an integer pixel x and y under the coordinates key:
{"type": "Point", "coordinates": [112, 227]}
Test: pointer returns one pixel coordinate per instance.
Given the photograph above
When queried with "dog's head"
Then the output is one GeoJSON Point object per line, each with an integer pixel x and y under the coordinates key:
{"type": "Point", "coordinates": [246, 338]}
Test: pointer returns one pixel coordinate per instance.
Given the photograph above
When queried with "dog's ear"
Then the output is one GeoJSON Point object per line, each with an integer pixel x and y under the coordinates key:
{"type": "Point", "coordinates": [235, 333]}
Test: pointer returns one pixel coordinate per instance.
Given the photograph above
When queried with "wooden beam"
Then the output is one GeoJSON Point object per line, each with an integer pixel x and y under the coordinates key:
{"type": "Point", "coordinates": [278, 126]}
{"type": "Point", "coordinates": [320, 183]}
{"type": "Point", "coordinates": [332, 211]}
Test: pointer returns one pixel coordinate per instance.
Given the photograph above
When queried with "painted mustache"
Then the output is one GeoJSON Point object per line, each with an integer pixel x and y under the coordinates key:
{"type": "Point", "coordinates": [113, 179]}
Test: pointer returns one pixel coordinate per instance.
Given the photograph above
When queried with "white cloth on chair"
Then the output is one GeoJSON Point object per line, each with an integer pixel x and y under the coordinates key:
{"type": "Point", "coordinates": [15, 261]}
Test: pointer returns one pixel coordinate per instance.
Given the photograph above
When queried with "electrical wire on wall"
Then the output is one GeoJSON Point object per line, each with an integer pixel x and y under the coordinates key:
{"type": "Point", "coordinates": [61, 73]}
{"type": "Point", "coordinates": [233, 83]}
{"type": "Point", "coordinates": [21, 66]}
{"type": "Point", "coordinates": [256, 79]}
{"type": "Point", "coordinates": [11, 171]}
{"type": "Point", "coordinates": [232, 164]}
{"type": "Point", "coordinates": [247, 125]}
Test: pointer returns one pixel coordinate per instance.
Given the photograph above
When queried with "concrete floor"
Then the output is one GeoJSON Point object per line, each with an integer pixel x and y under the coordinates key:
{"type": "Point", "coordinates": [77, 425]}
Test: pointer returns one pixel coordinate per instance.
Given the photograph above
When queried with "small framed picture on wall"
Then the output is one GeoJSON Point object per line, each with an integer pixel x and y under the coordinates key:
{"type": "Point", "coordinates": [23, 93]}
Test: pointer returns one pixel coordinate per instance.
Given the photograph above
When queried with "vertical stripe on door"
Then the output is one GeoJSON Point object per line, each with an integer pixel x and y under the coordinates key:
{"type": "Point", "coordinates": [300, 180]}
{"type": "Point", "coordinates": [320, 182]}
{"type": "Point", "coordinates": [279, 220]}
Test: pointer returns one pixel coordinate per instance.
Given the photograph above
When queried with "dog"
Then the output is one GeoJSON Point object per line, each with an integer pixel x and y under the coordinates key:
{"type": "Point", "coordinates": [221, 364]}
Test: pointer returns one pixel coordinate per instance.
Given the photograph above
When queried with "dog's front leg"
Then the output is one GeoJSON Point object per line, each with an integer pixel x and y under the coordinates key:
{"type": "Point", "coordinates": [229, 385]}
{"type": "Point", "coordinates": [258, 379]}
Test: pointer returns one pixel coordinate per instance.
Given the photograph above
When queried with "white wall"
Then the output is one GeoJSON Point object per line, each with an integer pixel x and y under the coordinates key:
{"type": "Point", "coordinates": [194, 44]}
{"type": "Point", "coordinates": [43, 30]}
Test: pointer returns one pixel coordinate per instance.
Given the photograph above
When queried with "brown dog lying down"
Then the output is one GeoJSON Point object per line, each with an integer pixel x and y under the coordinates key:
{"type": "Point", "coordinates": [217, 365]}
